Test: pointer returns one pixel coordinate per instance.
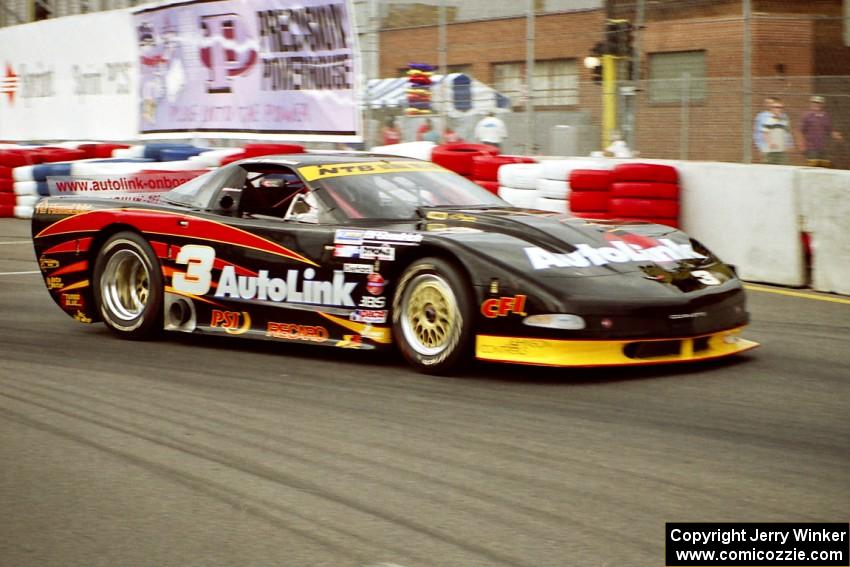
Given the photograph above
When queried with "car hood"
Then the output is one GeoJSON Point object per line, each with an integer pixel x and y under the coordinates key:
{"type": "Point", "coordinates": [555, 245]}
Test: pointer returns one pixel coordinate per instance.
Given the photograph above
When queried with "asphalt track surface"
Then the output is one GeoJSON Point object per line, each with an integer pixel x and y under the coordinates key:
{"type": "Point", "coordinates": [204, 452]}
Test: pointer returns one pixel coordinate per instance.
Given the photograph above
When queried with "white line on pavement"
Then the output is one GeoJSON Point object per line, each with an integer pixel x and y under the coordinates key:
{"type": "Point", "coordinates": [19, 273]}
{"type": "Point", "coordinates": [16, 242]}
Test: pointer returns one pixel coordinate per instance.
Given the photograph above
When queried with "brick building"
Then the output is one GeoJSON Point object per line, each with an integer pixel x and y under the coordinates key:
{"type": "Point", "coordinates": [692, 99]}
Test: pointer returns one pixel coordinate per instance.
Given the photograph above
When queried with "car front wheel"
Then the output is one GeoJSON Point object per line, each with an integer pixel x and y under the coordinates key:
{"type": "Point", "coordinates": [128, 286]}
{"type": "Point", "coordinates": [432, 316]}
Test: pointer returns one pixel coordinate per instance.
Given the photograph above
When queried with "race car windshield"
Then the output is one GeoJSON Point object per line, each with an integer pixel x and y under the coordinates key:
{"type": "Point", "coordinates": [398, 195]}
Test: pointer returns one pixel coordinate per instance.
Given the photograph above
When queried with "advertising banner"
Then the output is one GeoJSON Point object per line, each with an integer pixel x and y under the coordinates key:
{"type": "Point", "coordinates": [248, 69]}
{"type": "Point", "coordinates": [71, 78]}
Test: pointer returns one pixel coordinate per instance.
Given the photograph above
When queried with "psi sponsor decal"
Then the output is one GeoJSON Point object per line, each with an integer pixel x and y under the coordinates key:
{"type": "Point", "coordinates": [294, 332]}
{"type": "Point", "coordinates": [502, 306]}
{"type": "Point", "coordinates": [233, 322]}
{"type": "Point", "coordinates": [618, 252]}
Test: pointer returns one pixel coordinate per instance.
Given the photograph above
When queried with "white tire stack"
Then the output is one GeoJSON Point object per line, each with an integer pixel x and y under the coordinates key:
{"type": "Point", "coordinates": [518, 184]}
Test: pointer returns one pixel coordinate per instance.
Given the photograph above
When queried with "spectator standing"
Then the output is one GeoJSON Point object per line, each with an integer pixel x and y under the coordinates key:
{"type": "Point", "coordinates": [758, 124]}
{"type": "Point", "coordinates": [776, 135]}
{"type": "Point", "coordinates": [427, 133]}
{"type": "Point", "coordinates": [390, 133]}
{"type": "Point", "coordinates": [491, 131]}
{"type": "Point", "coordinates": [815, 131]}
{"type": "Point", "coordinates": [450, 136]}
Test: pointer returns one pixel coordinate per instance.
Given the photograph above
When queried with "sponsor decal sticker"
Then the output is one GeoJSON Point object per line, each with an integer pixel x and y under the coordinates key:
{"type": "Point", "coordinates": [233, 322]}
{"type": "Point", "coordinates": [297, 287]}
{"type": "Point", "coordinates": [72, 301]}
{"type": "Point", "coordinates": [313, 172]}
{"type": "Point", "coordinates": [619, 252]}
{"type": "Point", "coordinates": [358, 268]}
{"type": "Point", "coordinates": [350, 341]}
{"type": "Point", "coordinates": [375, 284]}
{"type": "Point", "coordinates": [373, 302]}
{"type": "Point", "coordinates": [443, 215]}
{"type": "Point", "coordinates": [54, 283]}
{"type": "Point", "coordinates": [48, 263]}
{"type": "Point", "coordinates": [369, 316]}
{"type": "Point", "coordinates": [81, 317]}
{"type": "Point", "coordinates": [380, 252]}
{"type": "Point", "coordinates": [502, 306]}
{"type": "Point", "coordinates": [346, 251]}
{"type": "Point", "coordinates": [294, 332]}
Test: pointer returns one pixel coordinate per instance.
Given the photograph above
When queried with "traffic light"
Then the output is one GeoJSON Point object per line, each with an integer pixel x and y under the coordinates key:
{"type": "Point", "coordinates": [619, 36]}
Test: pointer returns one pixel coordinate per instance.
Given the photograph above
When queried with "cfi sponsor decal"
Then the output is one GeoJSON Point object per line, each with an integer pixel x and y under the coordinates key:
{"type": "Point", "coordinates": [297, 287]}
{"type": "Point", "coordinates": [233, 322]}
{"type": "Point", "coordinates": [502, 306]}
{"type": "Point", "coordinates": [619, 252]}
{"type": "Point", "coordinates": [294, 332]}
{"type": "Point", "coordinates": [375, 284]}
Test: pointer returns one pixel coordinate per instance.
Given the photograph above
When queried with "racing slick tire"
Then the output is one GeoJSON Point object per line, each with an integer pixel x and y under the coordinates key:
{"type": "Point", "coordinates": [433, 316]}
{"type": "Point", "coordinates": [590, 179]}
{"type": "Point", "coordinates": [646, 172]}
{"type": "Point", "coordinates": [128, 287]}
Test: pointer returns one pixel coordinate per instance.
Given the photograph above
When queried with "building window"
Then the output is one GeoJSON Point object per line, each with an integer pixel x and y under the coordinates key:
{"type": "Point", "coordinates": [508, 79]}
{"type": "Point", "coordinates": [676, 76]}
{"type": "Point", "coordinates": [556, 82]}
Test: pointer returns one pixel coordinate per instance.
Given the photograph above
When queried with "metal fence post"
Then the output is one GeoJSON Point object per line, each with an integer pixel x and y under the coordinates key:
{"type": "Point", "coordinates": [684, 128]}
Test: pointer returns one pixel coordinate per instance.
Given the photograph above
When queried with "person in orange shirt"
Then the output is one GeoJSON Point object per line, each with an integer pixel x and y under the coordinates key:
{"type": "Point", "coordinates": [390, 133]}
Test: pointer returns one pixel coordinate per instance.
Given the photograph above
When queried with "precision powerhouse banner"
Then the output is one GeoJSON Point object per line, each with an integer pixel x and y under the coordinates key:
{"type": "Point", "coordinates": [248, 68]}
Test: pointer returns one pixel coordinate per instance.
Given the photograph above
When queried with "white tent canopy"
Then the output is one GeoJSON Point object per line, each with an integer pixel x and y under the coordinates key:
{"type": "Point", "coordinates": [461, 94]}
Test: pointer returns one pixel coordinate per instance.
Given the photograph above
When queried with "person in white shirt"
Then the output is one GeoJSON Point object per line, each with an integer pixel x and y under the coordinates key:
{"type": "Point", "coordinates": [491, 131]}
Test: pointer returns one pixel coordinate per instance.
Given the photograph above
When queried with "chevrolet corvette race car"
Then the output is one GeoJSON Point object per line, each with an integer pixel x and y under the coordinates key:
{"type": "Point", "coordinates": [367, 251]}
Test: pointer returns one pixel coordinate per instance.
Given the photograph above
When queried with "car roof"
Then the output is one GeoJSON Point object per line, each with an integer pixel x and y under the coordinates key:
{"type": "Point", "coordinates": [320, 158]}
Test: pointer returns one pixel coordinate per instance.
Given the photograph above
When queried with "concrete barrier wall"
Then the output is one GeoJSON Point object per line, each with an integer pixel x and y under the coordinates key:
{"type": "Point", "coordinates": [748, 215]}
{"type": "Point", "coordinates": [824, 200]}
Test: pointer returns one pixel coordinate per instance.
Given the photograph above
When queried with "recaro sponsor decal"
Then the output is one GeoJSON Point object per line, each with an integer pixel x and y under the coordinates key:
{"type": "Point", "coordinates": [502, 306]}
{"type": "Point", "coordinates": [233, 322]}
{"type": "Point", "coordinates": [619, 252]}
{"type": "Point", "coordinates": [314, 172]}
{"type": "Point", "coordinates": [295, 332]}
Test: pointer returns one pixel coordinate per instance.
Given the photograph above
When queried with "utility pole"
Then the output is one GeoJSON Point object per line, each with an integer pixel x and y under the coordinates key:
{"type": "Point", "coordinates": [747, 87]}
{"type": "Point", "coordinates": [529, 77]}
{"type": "Point", "coordinates": [634, 77]}
{"type": "Point", "coordinates": [609, 98]}
{"type": "Point", "coordinates": [442, 56]}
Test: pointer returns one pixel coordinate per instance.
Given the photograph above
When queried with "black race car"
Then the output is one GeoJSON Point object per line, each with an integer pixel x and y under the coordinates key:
{"type": "Point", "coordinates": [365, 251]}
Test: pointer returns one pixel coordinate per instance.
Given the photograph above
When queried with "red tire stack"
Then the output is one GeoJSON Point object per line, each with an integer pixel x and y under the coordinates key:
{"type": "Point", "coordinates": [485, 169]}
{"type": "Point", "coordinates": [645, 192]}
{"type": "Point", "coordinates": [458, 157]}
{"type": "Point", "coordinates": [10, 159]}
{"type": "Point", "coordinates": [254, 150]}
{"type": "Point", "coordinates": [590, 193]}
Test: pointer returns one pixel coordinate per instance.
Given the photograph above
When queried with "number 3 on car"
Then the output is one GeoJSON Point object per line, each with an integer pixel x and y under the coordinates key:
{"type": "Point", "coordinates": [198, 275]}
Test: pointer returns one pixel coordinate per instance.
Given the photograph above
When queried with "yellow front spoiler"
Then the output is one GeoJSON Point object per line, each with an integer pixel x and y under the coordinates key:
{"type": "Point", "coordinates": [555, 352]}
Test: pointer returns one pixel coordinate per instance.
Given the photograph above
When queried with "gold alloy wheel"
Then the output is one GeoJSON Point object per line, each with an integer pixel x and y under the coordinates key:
{"type": "Point", "coordinates": [125, 285]}
{"type": "Point", "coordinates": [430, 313]}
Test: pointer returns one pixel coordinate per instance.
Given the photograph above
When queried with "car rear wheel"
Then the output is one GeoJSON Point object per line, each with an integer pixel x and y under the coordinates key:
{"type": "Point", "coordinates": [432, 316]}
{"type": "Point", "coordinates": [128, 286]}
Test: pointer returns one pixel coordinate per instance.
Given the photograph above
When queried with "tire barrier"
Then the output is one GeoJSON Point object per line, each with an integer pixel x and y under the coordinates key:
{"type": "Point", "coordinates": [101, 150]}
{"type": "Point", "coordinates": [213, 158]}
{"type": "Point", "coordinates": [26, 188]}
{"type": "Point", "coordinates": [647, 192]}
{"type": "Point", "coordinates": [15, 158]}
{"type": "Point", "coordinates": [553, 205]}
{"type": "Point", "coordinates": [644, 190]}
{"type": "Point", "coordinates": [458, 157]}
{"type": "Point", "coordinates": [552, 189]}
{"type": "Point", "coordinates": [7, 185]}
{"type": "Point", "coordinates": [652, 172]}
{"type": "Point", "coordinates": [595, 202]}
{"type": "Point", "coordinates": [7, 199]}
{"type": "Point", "coordinates": [522, 198]}
{"type": "Point", "coordinates": [590, 180]}
{"type": "Point", "coordinates": [23, 212]}
{"type": "Point", "coordinates": [519, 175]}
{"type": "Point", "coordinates": [560, 169]}
{"type": "Point", "coordinates": [486, 167]}
{"type": "Point", "coordinates": [180, 154]}
{"type": "Point", "coordinates": [7, 210]}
